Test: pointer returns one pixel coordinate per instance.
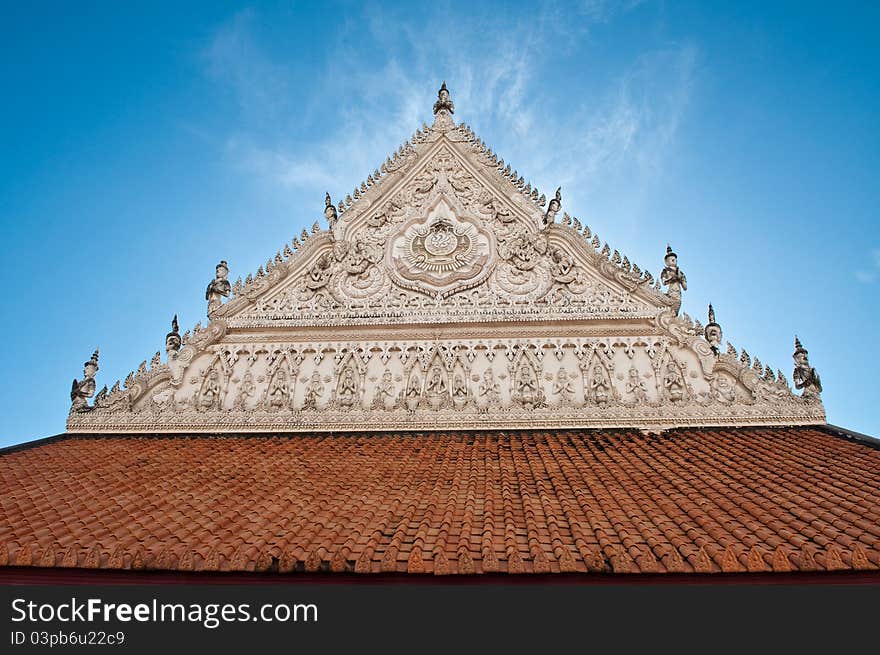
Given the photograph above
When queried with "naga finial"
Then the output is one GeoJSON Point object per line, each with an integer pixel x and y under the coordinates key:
{"type": "Point", "coordinates": [172, 339]}
{"type": "Point", "coordinates": [673, 277]}
{"type": "Point", "coordinates": [552, 208]}
{"type": "Point", "coordinates": [329, 211]}
{"type": "Point", "coordinates": [712, 332]}
{"type": "Point", "coordinates": [805, 376]}
{"type": "Point", "coordinates": [82, 390]}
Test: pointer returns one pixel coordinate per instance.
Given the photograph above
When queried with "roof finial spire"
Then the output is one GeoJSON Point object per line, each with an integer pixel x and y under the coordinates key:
{"type": "Point", "coordinates": [552, 209]}
{"type": "Point", "coordinates": [805, 376]}
{"type": "Point", "coordinates": [443, 110]}
{"type": "Point", "coordinates": [712, 332]}
{"type": "Point", "coordinates": [82, 390]}
{"type": "Point", "coordinates": [329, 211]}
{"type": "Point", "coordinates": [443, 100]}
{"type": "Point", "coordinates": [673, 277]}
{"type": "Point", "coordinates": [172, 339]}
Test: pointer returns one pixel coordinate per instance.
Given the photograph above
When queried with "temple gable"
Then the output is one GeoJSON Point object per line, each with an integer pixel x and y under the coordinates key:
{"type": "Point", "coordinates": [447, 293]}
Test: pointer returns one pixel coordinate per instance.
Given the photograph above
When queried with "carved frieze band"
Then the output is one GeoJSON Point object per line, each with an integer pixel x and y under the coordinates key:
{"type": "Point", "coordinates": [627, 381]}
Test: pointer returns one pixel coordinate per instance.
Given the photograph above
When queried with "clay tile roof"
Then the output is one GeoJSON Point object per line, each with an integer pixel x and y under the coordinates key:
{"type": "Point", "coordinates": [707, 501]}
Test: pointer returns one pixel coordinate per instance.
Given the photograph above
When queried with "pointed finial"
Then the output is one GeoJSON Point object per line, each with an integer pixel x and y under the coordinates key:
{"type": "Point", "coordinates": [218, 288]}
{"type": "Point", "coordinates": [172, 339]}
{"type": "Point", "coordinates": [805, 376]}
{"type": "Point", "coordinates": [444, 102]}
{"type": "Point", "coordinates": [712, 332]}
{"type": "Point", "coordinates": [552, 208]}
{"type": "Point", "coordinates": [82, 390]}
{"type": "Point", "coordinates": [673, 277]}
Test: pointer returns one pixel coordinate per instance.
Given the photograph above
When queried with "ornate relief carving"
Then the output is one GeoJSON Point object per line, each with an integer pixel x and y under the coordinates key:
{"type": "Point", "coordinates": [441, 253]}
{"type": "Point", "coordinates": [635, 386]}
{"type": "Point", "coordinates": [385, 397]}
{"type": "Point", "coordinates": [563, 388]}
{"type": "Point", "coordinates": [246, 390]}
{"type": "Point", "coordinates": [553, 328]}
{"type": "Point", "coordinates": [526, 379]}
{"type": "Point", "coordinates": [349, 387]}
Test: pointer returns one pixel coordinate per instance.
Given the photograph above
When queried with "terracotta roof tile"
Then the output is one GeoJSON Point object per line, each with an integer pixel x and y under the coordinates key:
{"type": "Point", "coordinates": [695, 500]}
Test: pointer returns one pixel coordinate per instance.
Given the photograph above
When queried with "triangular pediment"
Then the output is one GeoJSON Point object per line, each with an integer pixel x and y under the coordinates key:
{"type": "Point", "coordinates": [446, 293]}
{"type": "Point", "coordinates": [445, 237]}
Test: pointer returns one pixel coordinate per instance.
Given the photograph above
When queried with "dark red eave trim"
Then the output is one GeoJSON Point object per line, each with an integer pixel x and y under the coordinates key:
{"type": "Point", "coordinates": [49, 576]}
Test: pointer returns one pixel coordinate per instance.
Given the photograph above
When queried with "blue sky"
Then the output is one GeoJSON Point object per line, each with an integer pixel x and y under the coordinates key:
{"type": "Point", "coordinates": [141, 144]}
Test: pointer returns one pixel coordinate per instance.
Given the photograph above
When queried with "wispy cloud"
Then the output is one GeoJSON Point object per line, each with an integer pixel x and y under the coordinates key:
{"type": "Point", "coordinates": [871, 273]}
{"type": "Point", "coordinates": [498, 74]}
{"type": "Point", "coordinates": [234, 59]}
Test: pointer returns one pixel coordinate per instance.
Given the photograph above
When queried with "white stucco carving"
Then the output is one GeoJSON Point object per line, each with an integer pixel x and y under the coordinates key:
{"type": "Point", "coordinates": [444, 295]}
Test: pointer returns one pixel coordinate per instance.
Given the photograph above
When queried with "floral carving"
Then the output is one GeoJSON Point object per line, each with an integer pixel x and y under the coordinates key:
{"type": "Point", "coordinates": [441, 268]}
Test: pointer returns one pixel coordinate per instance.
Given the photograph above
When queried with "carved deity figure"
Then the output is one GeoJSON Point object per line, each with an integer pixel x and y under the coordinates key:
{"type": "Point", "coordinates": [218, 288]}
{"type": "Point", "coordinates": [553, 208]}
{"type": "Point", "coordinates": [436, 388]}
{"type": "Point", "coordinates": [319, 273]}
{"type": "Point", "coordinates": [463, 184]}
{"type": "Point", "coordinates": [673, 382]}
{"type": "Point", "coordinates": [436, 382]}
{"type": "Point", "coordinates": [635, 386]}
{"type": "Point", "coordinates": [413, 392]}
{"type": "Point", "coordinates": [414, 389]}
{"type": "Point", "coordinates": [459, 389]}
{"type": "Point", "coordinates": [172, 339]}
{"type": "Point", "coordinates": [378, 219]}
{"type": "Point", "coordinates": [562, 387]}
{"type": "Point", "coordinates": [673, 277]}
{"type": "Point", "coordinates": [346, 390]}
{"type": "Point", "coordinates": [358, 259]}
{"type": "Point", "coordinates": [384, 392]}
{"type": "Point", "coordinates": [600, 385]}
{"type": "Point", "coordinates": [489, 389]}
{"type": "Point", "coordinates": [527, 391]}
{"type": "Point", "coordinates": [82, 390]}
{"type": "Point", "coordinates": [499, 212]}
{"type": "Point", "coordinates": [246, 390]}
{"type": "Point", "coordinates": [278, 391]}
{"type": "Point", "coordinates": [713, 332]}
{"type": "Point", "coordinates": [313, 392]}
{"type": "Point", "coordinates": [329, 211]}
{"type": "Point", "coordinates": [209, 394]}
{"type": "Point", "coordinates": [722, 390]}
{"type": "Point", "coordinates": [523, 250]}
{"type": "Point", "coordinates": [562, 266]}
{"type": "Point", "coordinates": [444, 102]}
{"type": "Point", "coordinates": [805, 376]}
